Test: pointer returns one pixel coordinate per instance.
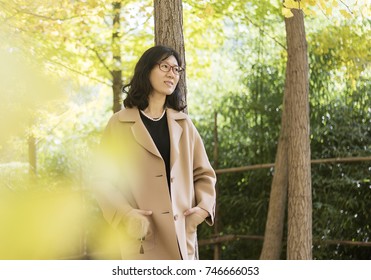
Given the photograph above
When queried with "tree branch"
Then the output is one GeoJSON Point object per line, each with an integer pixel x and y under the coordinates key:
{"type": "Point", "coordinates": [128, 32]}
{"type": "Point", "coordinates": [350, 11]}
{"type": "Point", "coordinates": [46, 17]}
{"type": "Point", "coordinates": [100, 59]}
{"type": "Point", "coordinates": [26, 12]}
{"type": "Point", "coordinates": [265, 33]}
{"type": "Point", "coordinates": [323, 12]}
{"type": "Point", "coordinates": [79, 72]}
{"type": "Point", "coordinates": [8, 18]}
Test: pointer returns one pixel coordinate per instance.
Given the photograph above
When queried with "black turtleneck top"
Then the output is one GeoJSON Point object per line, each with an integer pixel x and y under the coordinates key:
{"type": "Point", "coordinates": [159, 131]}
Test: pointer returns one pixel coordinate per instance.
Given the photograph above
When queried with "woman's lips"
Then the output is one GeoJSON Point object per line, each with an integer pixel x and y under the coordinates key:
{"type": "Point", "coordinates": [169, 83]}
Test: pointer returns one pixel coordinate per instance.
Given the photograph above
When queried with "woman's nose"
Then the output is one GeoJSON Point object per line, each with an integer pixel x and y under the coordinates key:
{"type": "Point", "coordinates": [171, 73]}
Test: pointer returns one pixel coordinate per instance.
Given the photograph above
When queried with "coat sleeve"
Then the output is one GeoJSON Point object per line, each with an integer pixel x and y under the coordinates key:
{"type": "Point", "coordinates": [204, 178]}
{"type": "Point", "coordinates": [106, 179]}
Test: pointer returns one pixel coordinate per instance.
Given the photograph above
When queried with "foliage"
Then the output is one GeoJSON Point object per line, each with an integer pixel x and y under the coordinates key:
{"type": "Point", "coordinates": [341, 192]}
{"type": "Point", "coordinates": [328, 8]}
{"type": "Point", "coordinates": [341, 199]}
{"type": "Point", "coordinates": [248, 127]}
{"type": "Point", "coordinates": [75, 37]}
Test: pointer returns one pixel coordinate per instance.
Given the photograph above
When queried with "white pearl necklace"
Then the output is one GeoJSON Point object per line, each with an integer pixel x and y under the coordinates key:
{"type": "Point", "coordinates": [153, 119]}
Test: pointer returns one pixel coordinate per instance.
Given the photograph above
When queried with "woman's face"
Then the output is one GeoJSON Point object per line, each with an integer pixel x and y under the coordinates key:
{"type": "Point", "coordinates": [163, 78]}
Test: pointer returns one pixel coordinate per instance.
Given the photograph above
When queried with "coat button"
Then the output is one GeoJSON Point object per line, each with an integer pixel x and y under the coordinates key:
{"type": "Point", "coordinates": [171, 179]}
{"type": "Point", "coordinates": [176, 217]}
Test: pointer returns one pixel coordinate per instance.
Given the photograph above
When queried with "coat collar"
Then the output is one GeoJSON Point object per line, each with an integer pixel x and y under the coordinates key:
{"type": "Point", "coordinates": [141, 135]}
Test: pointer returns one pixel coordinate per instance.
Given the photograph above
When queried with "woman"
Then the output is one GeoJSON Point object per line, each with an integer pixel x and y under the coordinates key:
{"type": "Point", "coordinates": [161, 181]}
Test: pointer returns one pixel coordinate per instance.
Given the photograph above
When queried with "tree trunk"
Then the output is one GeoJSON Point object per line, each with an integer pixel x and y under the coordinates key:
{"type": "Point", "coordinates": [299, 240]}
{"type": "Point", "coordinates": [116, 53]}
{"type": "Point", "coordinates": [272, 245]}
{"type": "Point", "coordinates": [168, 16]}
{"type": "Point", "coordinates": [217, 246]}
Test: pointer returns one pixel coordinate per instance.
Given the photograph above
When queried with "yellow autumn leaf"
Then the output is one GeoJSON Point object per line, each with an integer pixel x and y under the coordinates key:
{"type": "Point", "coordinates": [366, 11]}
{"type": "Point", "coordinates": [308, 11]}
{"type": "Point", "coordinates": [101, 14]}
{"type": "Point", "coordinates": [291, 4]}
{"type": "Point", "coordinates": [328, 10]}
{"type": "Point", "coordinates": [345, 13]}
{"type": "Point", "coordinates": [116, 26]}
{"type": "Point", "coordinates": [209, 10]}
{"type": "Point", "coordinates": [92, 3]}
{"type": "Point", "coordinates": [312, 2]}
{"type": "Point", "coordinates": [322, 4]}
{"type": "Point", "coordinates": [287, 13]}
{"type": "Point", "coordinates": [354, 84]}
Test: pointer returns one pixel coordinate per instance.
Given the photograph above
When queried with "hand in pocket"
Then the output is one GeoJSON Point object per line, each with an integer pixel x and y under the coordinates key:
{"type": "Point", "coordinates": [194, 217]}
{"type": "Point", "coordinates": [137, 223]}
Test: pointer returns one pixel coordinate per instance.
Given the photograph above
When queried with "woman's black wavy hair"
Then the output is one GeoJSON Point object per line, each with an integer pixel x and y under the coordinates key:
{"type": "Point", "coordinates": [139, 88]}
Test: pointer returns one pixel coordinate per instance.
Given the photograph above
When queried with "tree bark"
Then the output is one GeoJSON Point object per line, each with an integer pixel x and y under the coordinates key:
{"type": "Point", "coordinates": [116, 53]}
{"type": "Point", "coordinates": [272, 245]}
{"type": "Point", "coordinates": [299, 240]}
{"type": "Point", "coordinates": [168, 16]}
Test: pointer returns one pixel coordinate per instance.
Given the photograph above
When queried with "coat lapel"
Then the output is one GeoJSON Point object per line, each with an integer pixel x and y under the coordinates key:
{"type": "Point", "coordinates": [143, 137]}
{"type": "Point", "coordinates": [140, 132]}
{"type": "Point", "coordinates": [175, 131]}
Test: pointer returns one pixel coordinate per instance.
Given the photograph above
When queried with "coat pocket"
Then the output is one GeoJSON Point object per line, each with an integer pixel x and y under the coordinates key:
{"type": "Point", "coordinates": [141, 234]}
{"type": "Point", "coordinates": [191, 223]}
{"type": "Point", "coordinates": [147, 242]}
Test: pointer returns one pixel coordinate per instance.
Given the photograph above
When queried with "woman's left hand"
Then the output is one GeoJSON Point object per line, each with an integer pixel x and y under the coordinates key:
{"type": "Point", "coordinates": [198, 210]}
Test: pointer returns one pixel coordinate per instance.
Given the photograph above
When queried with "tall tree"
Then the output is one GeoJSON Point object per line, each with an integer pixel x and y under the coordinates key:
{"type": "Point", "coordinates": [292, 178]}
{"type": "Point", "coordinates": [169, 31]}
{"type": "Point", "coordinates": [116, 71]}
{"type": "Point", "coordinates": [292, 165]}
{"type": "Point", "coordinates": [299, 240]}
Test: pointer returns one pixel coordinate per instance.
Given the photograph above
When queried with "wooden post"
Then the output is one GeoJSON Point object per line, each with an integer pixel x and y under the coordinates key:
{"type": "Point", "coordinates": [218, 246]}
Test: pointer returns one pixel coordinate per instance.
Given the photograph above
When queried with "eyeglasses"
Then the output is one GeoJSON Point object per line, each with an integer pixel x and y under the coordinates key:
{"type": "Point", "coordinates": [166, 68]}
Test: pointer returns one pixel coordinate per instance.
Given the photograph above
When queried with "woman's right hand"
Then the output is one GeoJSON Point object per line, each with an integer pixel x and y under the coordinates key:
{"type": "Point", "coordinates": [137, 223]}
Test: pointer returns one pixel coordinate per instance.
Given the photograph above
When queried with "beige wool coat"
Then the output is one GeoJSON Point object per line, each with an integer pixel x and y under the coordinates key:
{"type": "Point", "coordinates": [135, 178]}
